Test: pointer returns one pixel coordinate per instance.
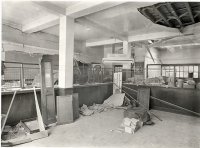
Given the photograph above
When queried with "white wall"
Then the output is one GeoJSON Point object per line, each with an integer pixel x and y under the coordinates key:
{"type": "Point", "coordinates": [181, 55]}
{"type": "Point", "coordinates": [94, 54]}
{"type": "Point", "coordinates": [148, 60]}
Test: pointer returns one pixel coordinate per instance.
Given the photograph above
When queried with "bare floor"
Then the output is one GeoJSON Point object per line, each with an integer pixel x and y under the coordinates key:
{"type": "Point", "coordinates": [94, 131]}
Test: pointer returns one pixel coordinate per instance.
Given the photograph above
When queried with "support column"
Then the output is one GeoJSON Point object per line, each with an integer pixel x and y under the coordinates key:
{"type": "Point", "coordinates": [127, 51]}
{"type": "Point", "coordinates": [139, 59]}
{"type": "Point", "coordinates": [66, 54]}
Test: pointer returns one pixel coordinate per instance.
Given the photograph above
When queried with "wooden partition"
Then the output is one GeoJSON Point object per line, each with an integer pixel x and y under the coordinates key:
{"type": "Point", "coordinates": [184, 97]}
{"type": "Point", "coordinates": [24, 104]}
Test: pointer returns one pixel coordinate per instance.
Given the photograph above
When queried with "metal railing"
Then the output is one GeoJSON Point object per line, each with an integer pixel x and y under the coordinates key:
{"type": "Point", "coordinates": [92, 75]}
{"type": "Point", "coordinates": [23, 75]}
{"type": "Point", "coordinates": [17, 74]}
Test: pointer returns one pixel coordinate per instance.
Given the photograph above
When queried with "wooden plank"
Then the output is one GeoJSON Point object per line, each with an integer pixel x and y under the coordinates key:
{"type": "Point", "coordinates": [47, 90]}
{"type": "Point", "coordinates": [38, 135]}
{"type": "Point", "coordinates": [39, 116]}
{"type": "Point", "coordinates": [28, 138]}
{"type": "Point", "coordinates": [143, 96]}
{"type": "Point", "coordinates": [15, 141]}
{"type": "Point", "coordinates": [25, 127]}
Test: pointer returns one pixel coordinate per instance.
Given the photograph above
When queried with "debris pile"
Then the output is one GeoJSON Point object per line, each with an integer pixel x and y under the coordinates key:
{"type": "Point", "coordinates": [17, 131]}
{"type": "Point", "coordinates": [131, 125]}
{"type": "Point", "coordinates": [134, 119]}
{"type": "Point", "coordinates": [139, 113]}
{"type": "Point", "coordinates": [85, 111]}
{"type": "Point", "coordinates": [114, 101]}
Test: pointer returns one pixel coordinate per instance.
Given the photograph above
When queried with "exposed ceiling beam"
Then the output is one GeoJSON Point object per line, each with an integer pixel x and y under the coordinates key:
{"type": "Point", "coordinates": [162, 16]}
{"type": "Point", "coordinates": [76, 10]}
{"type": "Point", "coordinates": [52, 8]}
{"type": "Point", "coordinates": [11, 24]}
{"type": "Point", "coordinates": [184, 40]}
{"type": "Point", "coordinates": [197, 13]}
{"type": "Point", "coordinates": [154, 35]}
{"type": "Point", "coordinates": [46, 21]}
{"type": "Point", "coordinates": [40, 24]}
{"type": "Point", "coordinates": [102, 42]}
{"type": "Point", "coordinates": [178, 45]}
{"type": "Point", "coordinates": [148, 15]}
{"type": "Point", "coordinates": [190, 12]}
{"type": "Point", "coordinates": [136, 38]}
{"type": "Point", "coordinates": [39, 39]}
{"type": "Point", "coordinates": [148, 49]}
{"type": "Point", "coordinates": [87, 22]}
{"type": "Point", "coordinates": [170, 7]}
{"type": "Point", "coordinates": [12, 46]}
{"type": "Point", "coordinates": [85, 8]}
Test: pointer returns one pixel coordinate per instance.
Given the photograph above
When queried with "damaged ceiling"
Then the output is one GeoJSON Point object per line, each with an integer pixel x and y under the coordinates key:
{"type": "Point", "coordinates": [173, 14]}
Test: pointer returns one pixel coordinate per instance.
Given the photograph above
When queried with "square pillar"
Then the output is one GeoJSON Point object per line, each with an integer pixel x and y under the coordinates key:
{"type": "Point", "coordinates": [127, 52]}
{"type": "Point", "coordinates": [66, 54]}
{"type": "Point", "coordinates": [139, 68]}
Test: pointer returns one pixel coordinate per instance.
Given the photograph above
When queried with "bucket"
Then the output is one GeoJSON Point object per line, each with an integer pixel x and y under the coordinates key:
{"type": "Point", "coordinates": [180, 83]}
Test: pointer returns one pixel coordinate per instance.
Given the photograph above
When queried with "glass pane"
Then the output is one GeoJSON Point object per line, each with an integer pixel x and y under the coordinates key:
{"type": "Point", "coordinates": [167, 74]}
{"type": "Point", "coordinates": [185, 74]}
{"type": "Point", "coordinates": [181, 74]}
{"type": "Point", "coordinates": [186, 68]}
{"type": "Point", "coordinates": [171, 74]}
{"type": "Point", "coordinates": [177, 68]}
{"type": "Point", "coordinates": [163, 72]}
{"type": "Point", "coordinates": [190, 68]}
{"type": "Point", "coordinates": [195, 68]}
{"type": "Point", "coordinates": [177, 74]}
{"type": "Point", "coordinates": [195, 75]}
{"type": "Point", "coordinates": [181, 68]}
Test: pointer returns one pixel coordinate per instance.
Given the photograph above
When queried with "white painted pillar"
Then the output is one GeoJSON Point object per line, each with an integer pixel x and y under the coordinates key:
{"type": "Point", "coordinates": [66, 52]}
{"type": "Point", "coordinates": [139, 59]}
{"type": "Point", "coordinates": [127, 51]}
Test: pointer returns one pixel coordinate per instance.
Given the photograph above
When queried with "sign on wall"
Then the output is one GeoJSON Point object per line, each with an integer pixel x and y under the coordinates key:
{"type": "Point", "coordinates": [139, 68]}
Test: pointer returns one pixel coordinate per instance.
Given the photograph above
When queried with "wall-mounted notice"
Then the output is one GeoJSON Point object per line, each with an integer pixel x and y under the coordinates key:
{"type": "Point", "coordinates": [139, 68]}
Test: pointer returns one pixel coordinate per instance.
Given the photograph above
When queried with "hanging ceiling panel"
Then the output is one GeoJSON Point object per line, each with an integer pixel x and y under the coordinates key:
{"type": "Point", "coordinates": [173, 14]}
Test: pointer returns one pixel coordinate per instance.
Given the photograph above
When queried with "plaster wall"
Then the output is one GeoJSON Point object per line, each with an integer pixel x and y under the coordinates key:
{"type": "Point", "coordinates": [181, 55]}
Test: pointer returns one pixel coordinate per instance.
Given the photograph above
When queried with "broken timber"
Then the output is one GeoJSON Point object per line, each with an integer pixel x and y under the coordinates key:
{"type": "Point", "coordinates": [29, 137]}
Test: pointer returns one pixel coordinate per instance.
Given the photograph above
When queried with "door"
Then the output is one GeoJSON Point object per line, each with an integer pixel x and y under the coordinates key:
{"type": "Point", "coordinates": [117, 78]}
{"type": "Point", "coordinates": [47, 91]}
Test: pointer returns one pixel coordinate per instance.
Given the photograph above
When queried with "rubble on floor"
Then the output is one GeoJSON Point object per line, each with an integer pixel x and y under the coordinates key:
{"type": "Point", "coordinates": [138, 113]}
{"type": "Point", "coordinates": [131, 125]}
{"type": "Point", "coordinates": [14, 132]}
{"type": "Point", "coordinates": [114, 101]}
{"type": "Point", "coordinates": [85, 111]}
{"type": "Point", "coordinates": [134, 119]}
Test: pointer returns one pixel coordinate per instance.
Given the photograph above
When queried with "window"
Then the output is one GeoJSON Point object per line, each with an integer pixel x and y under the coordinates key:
{"type": "Point", "coordinates": [180, 71]}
